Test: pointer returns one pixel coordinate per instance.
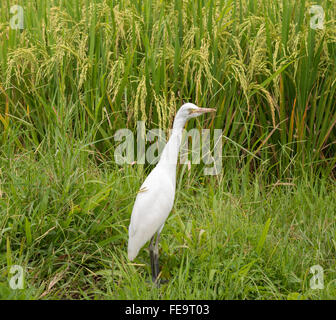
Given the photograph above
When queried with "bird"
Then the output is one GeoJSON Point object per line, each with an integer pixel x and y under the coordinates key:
{"type": "Point", "coordinates": [155, 199]}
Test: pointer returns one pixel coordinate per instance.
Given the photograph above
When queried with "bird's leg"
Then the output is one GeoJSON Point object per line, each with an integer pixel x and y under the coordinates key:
{"type": "Point", "coordinates": [156, 256]}
{"type": "Point", "coordinates": [151, 252]}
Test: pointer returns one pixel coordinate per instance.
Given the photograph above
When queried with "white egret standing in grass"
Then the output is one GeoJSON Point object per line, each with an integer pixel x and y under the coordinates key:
{"type": "Point", "coordinates": [156, 196]}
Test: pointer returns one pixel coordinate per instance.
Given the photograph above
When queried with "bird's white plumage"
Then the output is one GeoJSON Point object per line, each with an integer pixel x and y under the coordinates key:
{"type": "Point", "coordinates": [156, 197]}
{"type": "Point", "coordinates": [151, 209]}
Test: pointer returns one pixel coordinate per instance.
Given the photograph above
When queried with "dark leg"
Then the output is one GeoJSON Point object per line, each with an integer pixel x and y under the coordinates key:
{"type": "Point", "coordinates": [152, 258]}
{"type": "Point", "coordinates": [156, 256]}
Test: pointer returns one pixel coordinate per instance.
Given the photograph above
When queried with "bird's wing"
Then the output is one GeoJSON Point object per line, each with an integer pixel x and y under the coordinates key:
{"type": "Point", "coordinates": [150, 210]}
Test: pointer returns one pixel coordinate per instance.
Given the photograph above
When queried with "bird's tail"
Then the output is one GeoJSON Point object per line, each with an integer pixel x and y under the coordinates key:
{"type": "Point", "coordinates": [133, 250]}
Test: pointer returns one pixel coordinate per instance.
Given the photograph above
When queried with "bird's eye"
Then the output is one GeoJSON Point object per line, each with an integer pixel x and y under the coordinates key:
{"type": "Point", "coordinates": [191, 111]}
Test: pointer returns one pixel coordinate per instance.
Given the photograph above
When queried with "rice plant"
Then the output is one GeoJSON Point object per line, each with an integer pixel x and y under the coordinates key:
{"type": "Point", "coordinates": [269, 74]}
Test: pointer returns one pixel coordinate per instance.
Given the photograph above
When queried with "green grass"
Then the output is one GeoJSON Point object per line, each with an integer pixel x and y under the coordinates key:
{"type": "Point", "coordinates": [64, 219]}
{"type": "Point", "coordinates": [80, 70]}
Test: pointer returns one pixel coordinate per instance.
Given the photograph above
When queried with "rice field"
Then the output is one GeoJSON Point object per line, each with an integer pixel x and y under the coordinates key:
{"type": "Point", "coordinates": [79, 70]}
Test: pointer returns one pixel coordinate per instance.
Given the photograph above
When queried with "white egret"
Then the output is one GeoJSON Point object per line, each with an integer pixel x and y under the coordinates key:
{"type": "Point", "coordinates": [156, 196]}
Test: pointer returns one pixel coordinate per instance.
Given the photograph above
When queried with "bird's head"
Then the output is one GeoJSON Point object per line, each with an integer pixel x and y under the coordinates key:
{"type": "Point", "coordinates": [190, 110]}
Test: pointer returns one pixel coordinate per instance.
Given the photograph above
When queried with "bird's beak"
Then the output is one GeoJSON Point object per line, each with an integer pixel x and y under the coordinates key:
{"type": "Point", "coordinates": [203, 110]}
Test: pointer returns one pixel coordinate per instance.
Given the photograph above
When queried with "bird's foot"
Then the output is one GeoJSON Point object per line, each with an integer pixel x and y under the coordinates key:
{"type": "Point", "coordinates": [163, 281]}
{"type": "Point", "coordinates": [158, 282]}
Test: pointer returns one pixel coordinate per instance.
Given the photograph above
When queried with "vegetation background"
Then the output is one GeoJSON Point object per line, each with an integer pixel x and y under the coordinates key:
{"type": "Point", "coordinates": [80, 70]}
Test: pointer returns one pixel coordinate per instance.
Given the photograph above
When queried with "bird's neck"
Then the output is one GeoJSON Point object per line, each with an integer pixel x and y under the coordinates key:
{"type": "Point", "coordinates": [170, 152]}
{"type": "Point", "coordinates": [179, 124]}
